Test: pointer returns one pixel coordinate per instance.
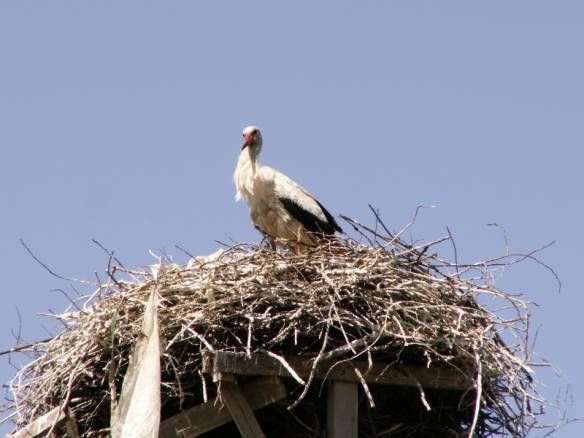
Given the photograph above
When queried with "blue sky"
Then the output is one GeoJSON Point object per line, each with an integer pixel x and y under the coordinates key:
{"type": "Point", "coordinates": [122, 122]}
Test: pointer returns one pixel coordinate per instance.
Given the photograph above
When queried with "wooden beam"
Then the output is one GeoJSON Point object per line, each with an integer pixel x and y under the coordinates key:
{"type": "Point", "coordinates": [72, 430]}
{"type": "Point", "coordinates": [240, 410]}
{"type": "Point", "coordinates": [342, 415]}
{"type": "Point", "coordinates": [43, 424]}
{"type": "Point", "coordinates": [71, 425]}
{"type": "Point", "coordinates": [208, 416]}
{"type": "Point", "coordinates": [378, 373]}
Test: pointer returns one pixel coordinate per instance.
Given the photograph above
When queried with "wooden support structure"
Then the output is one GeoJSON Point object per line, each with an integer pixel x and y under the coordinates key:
{"type": "Point", "coordinates": [342, 413]}
{"type": "Point", "coordinates": [237, 402]}
{"type": "Point", "coordinates": [55, 418]}
{"type": "Point", "coordinates": [378, 373]}
{"type": "Point", "coordinates": [240, 410]}
{"type": "Point", "coordinates": [208, 416]}
{"type": "Point", "coordinates": [71, 426]}
{"type": "Point", "coordinates": [344, 379]}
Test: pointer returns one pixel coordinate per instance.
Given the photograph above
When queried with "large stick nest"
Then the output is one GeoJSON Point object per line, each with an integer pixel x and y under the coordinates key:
{"type": "Point", "coordinates": [382, 301]}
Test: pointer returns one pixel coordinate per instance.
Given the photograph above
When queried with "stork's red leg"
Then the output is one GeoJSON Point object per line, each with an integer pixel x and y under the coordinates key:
{"type": "Point", "coordinates": [299, 248]}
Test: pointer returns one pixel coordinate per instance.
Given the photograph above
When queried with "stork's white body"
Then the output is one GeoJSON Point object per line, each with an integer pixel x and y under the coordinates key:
{"type": "Point", "coordinates": [279, 207]}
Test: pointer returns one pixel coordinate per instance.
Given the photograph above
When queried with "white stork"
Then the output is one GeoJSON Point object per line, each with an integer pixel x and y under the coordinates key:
{"type": "Point", "coordinates": [279, 207]}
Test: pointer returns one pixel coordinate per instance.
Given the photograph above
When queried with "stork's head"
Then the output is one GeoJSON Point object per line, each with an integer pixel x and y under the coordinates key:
{"type": "Point", "coordinates": [252, 139]}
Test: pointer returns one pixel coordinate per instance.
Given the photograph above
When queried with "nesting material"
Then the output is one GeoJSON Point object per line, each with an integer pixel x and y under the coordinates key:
{"type": "Point", "coordinates": [380, 301]}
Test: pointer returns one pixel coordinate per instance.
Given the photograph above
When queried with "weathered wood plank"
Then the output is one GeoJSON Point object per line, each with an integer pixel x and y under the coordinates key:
{"type": "Point", "coordinates": [240, 410]}
{"type": "Point", "coordinates": [71, 425]}
{"type": "Point", "coordinates": [342, 410]}
{"type": "Point", "coordinates": [42, 424]}
{"type": "Point", "coordinates": [208, 416]}
{"type": "Point", "coordinates": [379, 373]}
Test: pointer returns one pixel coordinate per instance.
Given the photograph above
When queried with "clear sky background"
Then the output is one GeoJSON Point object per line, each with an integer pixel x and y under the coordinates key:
{"type": "Point", "coordinates": [121, 121]}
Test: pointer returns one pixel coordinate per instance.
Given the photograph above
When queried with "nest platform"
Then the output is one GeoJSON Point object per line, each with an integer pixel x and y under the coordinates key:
{"type": "Point", "coordinates": [387, 326]}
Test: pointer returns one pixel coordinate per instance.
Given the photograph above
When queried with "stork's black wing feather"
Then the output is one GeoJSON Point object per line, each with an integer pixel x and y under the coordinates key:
{"type": "Point", "coordinates": [331, 220]}
{"type": "Point", "coordinates": [310, 221]}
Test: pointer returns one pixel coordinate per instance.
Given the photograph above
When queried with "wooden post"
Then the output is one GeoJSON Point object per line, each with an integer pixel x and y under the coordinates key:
{"type": "Point", "coordinates": [208, 416]}
{"type": "Point", "coordinates": [55, 417]}
{"type": "Point", "coordinates": [71, 425]}
{"type": "Point", "coordinates": [239, 409]}
{"type": "Point", "coordinates": [342, 410]}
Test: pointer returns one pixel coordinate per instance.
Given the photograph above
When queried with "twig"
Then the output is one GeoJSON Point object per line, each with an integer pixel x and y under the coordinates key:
{"type": "Point", "coordinates": [286, 365]}
{"type": "Point", "coordinates": [479, 388]}
{"type": "Point", "coordinates": [504, 232]}
{"type": "Point", "coordinates": [378, 220]}
{"type": "Point", "coordinates": [49, 270]}
{"type": "Point", "coordinates": [108, 252]}
{"type": "Point", "coordinates": [184, 251]}
{"type": "Point", "coordinates": [411, 222]}
{"type": "Point", "coordinates": [455, 252]}
{"type": "Point", "coordinates": [365, 387]}
{"type": "Point", "coordinates": [24, 347]}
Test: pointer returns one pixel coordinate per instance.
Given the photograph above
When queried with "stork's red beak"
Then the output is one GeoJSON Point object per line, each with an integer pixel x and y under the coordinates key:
{"type": "Point", "coordinates": [247, 138]}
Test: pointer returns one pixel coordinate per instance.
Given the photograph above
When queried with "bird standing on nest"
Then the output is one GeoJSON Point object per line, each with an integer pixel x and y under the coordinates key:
{"type": "Point", "coordinates": [279, 207]}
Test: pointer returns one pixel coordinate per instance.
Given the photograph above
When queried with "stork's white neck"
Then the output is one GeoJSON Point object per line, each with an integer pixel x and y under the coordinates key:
{"type": "Point", "coordinates": [245, 171]}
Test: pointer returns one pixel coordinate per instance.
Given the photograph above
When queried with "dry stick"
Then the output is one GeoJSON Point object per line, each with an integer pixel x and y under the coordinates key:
{"type": "Point", "coordinates": [356, 226]}
{"type": "Point", "coordinates": [455, 252]}
{"type": "Point", "coordinates": [504, 231]}
{"type": "Point", "coordinates": [184, 251]}
{"type": "Point", "coordinates": [72, 302]}
{"type": "Point", "coordinates": [202, 339]}
{"type": "Point", "coordinates": [378, 219]}
{"type": "Point", "coordinates": [408, 248]}
{"type": "Point", "coordinates": [369, 341]}
{"type": "Point", "coordinates": [423, 246]}
{"type": "Point", "coordinates": [18, 336]}
{"type": "Point", "coordinates": [420, 389]}
{"type": "Point", "coordinates": [67, 396]}
{"type": "Point", "coordinates": [315, 363]}
{"type": "Point", "coordinates": [305, 426]}
{"type": "Point", "coordinates": [365, 387]}
{"type": "Point", "coordinates": [477, 408]}
{"type": "Point", "coordinates": [520, 257]}
{"type": "Point", "coordinates": [179, 384]}
{"type": "Point", "coordinates": [249, 336]}
{"type": "Point", "coordinates": [108, 252]}
{"type": "Point", "coordinates": [204, 386]}
{"type": "Point", "coordinates": [24, 347]}
{"type": "Point", "coordinates": [351, 346]}
{"type": "Point", "coordinates": [423, 397]}
{"type": "Point", "coordinates": [411, 223]}
{"type": "Point", "coordinates": [8, 417]}
{"type": "Point", "coordinates": [348, 343]}
{"type": "Point", "coordinates": [376, 234]}
{"type": "Point", "coordinates": [49, 270]}
{"type": "Point", "coordinates": [395, 237]}
{"type": "Point", "coordinates": [111, 272]}
{"type": "Point", "coordinates": [288, 367]}
{"type": "Point", "coordinates": [112, 369]}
